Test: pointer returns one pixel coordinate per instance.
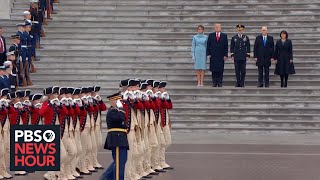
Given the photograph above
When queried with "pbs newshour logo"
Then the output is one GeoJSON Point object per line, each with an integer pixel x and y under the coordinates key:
{"type": "Point", "coordinates": [35, 148]}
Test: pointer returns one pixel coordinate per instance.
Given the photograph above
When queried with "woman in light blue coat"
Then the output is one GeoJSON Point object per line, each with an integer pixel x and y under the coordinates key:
{"type": "Point", "coordinates": [199, 54]}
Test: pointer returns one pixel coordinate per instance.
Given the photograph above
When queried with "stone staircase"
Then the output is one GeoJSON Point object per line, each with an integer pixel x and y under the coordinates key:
{"type": "Point", "coordinates": [93, 42]}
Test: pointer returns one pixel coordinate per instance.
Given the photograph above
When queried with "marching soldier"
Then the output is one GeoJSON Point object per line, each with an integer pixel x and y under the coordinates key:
{"type": "Point", "coordinates": [99, 107]}
{"type": "Point", "coordinates": [4, 135]}
{"type": "Point", "coordinates": [158, 129]}
{"type": "Point", "coordinates": [240, 51]}
{"type": "Point", "coordinates": [165, 123]}
{"type": "Point", "coordinates": [131, 104]}
{"type": "Point", "coordinates": [51, 110]}
{"type": "Point", "coordinates": [85, 126]}
{"type": "Point", "coordinates": [16, 114]}
{"type": "Point", "coordinates": [36, 119]}
{"type": "Point", "coordinates": [116, 140]}
{"type": "Point", "coordinates": [76, 125]}
{"type": "Point", "coordinates": [70, 147]}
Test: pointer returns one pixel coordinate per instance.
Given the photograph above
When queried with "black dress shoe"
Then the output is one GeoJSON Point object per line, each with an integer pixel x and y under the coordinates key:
{"type": "Point", "coordinates": [160, 171]}
{"type": "Point", "coordinates": [98, 167]}
{"type": "Point", "coordinates": [82, 173]}
{"type": "Point", "coordinates": [266, 86]}
{"type": "Point", "coordinates": [215, 85]}
{"type": "Point", "coordinates": [147, 177]}
{"type": "Point", "coordinates": [154, 174]}
{"type": "Point", "coordinates": [260, 85]}
{"type": "Point", "coordinates": [237, 85]}
{"type": "Point", "coordinates": [219, 85]}
{"type": "Point", "coordinates": [168, 168]}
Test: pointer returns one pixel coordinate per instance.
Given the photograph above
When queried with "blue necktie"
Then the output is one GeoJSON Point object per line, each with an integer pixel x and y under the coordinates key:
{"type": "Point", "coordinates": [264, 41]}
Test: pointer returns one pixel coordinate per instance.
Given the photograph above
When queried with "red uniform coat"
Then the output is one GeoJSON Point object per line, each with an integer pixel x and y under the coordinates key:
{"type": "Point", "coordinates": [47, 111]}
{"type": "Point", "coordinates": [3, 116]}
{"type": "Point", "coordinates": [35, 117]}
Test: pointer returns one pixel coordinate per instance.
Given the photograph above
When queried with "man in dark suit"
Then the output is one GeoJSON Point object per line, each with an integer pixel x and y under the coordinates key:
{"type": "Point", "coordinates": [240, 51]}
{"type": "Point", "coordinates": [217, 50]}
{"type": "Point", "coordinates": [3, 48]}
{"type": "Point", "coordinates": [264, 54]}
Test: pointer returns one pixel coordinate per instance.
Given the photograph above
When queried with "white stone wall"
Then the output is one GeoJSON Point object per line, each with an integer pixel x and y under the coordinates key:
{"type": "Point", "coordinates": [5, 9]}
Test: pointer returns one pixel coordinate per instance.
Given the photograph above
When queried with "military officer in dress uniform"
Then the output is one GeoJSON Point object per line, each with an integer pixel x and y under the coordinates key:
{"type": "Point", "coordinates": [51, 110]}
{"type": "Point", "coordinates": [116, 140]}
{"type": "Point", "coordinates": [4, 134]}
{"type": "Point", "coordinates": [14, 59]}
{"type": "Point", "coordinates": [240, 51]}
{"type": "Point", "coordinates": [23, 50]}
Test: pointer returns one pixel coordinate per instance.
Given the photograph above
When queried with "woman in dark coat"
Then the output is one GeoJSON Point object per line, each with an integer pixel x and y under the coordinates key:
{"type": "Point", "coordinates": [284, 58]}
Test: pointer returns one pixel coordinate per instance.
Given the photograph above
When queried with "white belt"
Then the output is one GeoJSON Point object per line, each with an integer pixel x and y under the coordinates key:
{"type": "Point", "coordinates": [35, 22]}
{"type": "Point", "coordinates": [24, 46]}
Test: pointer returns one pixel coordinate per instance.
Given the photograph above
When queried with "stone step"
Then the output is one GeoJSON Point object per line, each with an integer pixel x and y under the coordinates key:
{"type": "Point", "coordinates": [154, 47]}
{"type": "Point", "coordinates": [107, 51]}
{"type": "Point", "coordinates": [137, 70]}
{"type": "Point", "coordinates": [109, 77]}
{"type": "Point", "coordinates": [229, 63]}
{"type": "Point", "coordinates": [236, 129]}
{"type": "Point", "coordinates": [265, 98]}
{"type": "Point", "coordinates": [243, 123]}
{"type": "Point", "coordinates": [242, 116]}
{"type": "Point", "coordinates": [70, 11]}
{"type": "Point", "coordinates": [226, 90]}
{"type": "Point", "coordinates": [179, 18]}
{"type": "Point", "coordinates": [227, 82]}
{"type": "Point", "coordinates": [187, 23]}
{"type": "Point", "coordinates": [251, 110]}
{"type": "Point", "coordinates": [143, 60]}
{"type": "Point", "coordinates": [223, 103]}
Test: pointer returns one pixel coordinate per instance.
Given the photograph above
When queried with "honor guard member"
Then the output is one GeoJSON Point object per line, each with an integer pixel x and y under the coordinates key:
{"type": "Point", "coordinates": [101, 106]}
{"type": "Point", "coordinates": [51, 110]}
{"type": "Point", "coordinates": [26, 106]}
{"type": "Point", "coordinates": [29, 47]}
{"type": "Point", "coordinates": [36, 119]}
{"type": "Point", "coordinates": [76, 125]}
{"type": "Point", "coordinates": [15, 63]}
{"type": "Point", "coordinates": [116, 140]}
{"type": "Point", "coordinates": [4, 81]}
{"type": "Point", "coordinates": [16, 114]}
{"type": "Point", "coordinates": [240, 51]}
{"type": "Point", "coordinates": [4, 134]}
{"type": "Point", "coordinates": [9, 73]}
{"type": "Point", "coordinates": [23, 47]}
{"type": "Point", "coordinates": [85, 127]}
{"type": "Point", "coordinates": [66, 140]}
{"type": "Point", "coordinates": [165, 123]}
{"type": "Point", "coordinates": [35, 29]}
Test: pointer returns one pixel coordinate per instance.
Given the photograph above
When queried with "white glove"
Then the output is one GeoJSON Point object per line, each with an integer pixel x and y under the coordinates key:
{"type": "Point", "coordinates": [149, 92]}
{"type": "Point", "coordinates": [119, 104]}
{"type": "Point", "coordinates": [2, 101]}
{"type": "Point", "coordinates": [157, 94]}
{"type": "Point", "coordinates": [27, 103]}
{"type": "Point", "coordinates": [64, 101]}
{"type": "Point", "coordinates": [98, 98]}
{"type": "Point", "coordinates": [90, 99]}
{"type": "Point", "coordinates": [138, 94]}
{"type": "Point", "coordinates": [18, 105]}
{"type": "Point", "coordinates": [85, 99]}
{"type": "Point", "coordinates": [55, 101]}
{"type": "Point", "coordinates": [145, 96]}
{"type": "Point", "coordinates": [70, 102]}
{"type": "Point", "coordinates": [165, 96]}
{"type": "Point", "coordinates": [38, 105]}
{"type": "Point", "coordinates": [78, 102]}
{"type": "Point", "coordinates": [6, 103]}
{"type": "Point", "coordinates": [132, 96]}
{"type": "Point", "coordinates": [125, 95]}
